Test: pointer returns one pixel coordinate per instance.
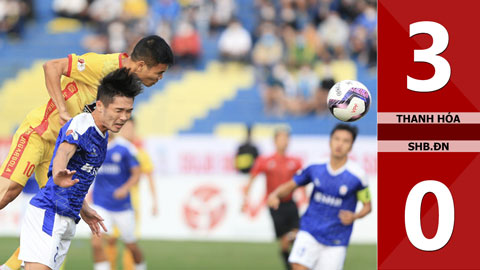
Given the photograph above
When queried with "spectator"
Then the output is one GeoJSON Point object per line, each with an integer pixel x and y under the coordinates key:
{"type": "Point", "coordinates": [318, 102]}
{"type": "Point", "coordinates": [246, 154]}
{"type": "Point", "coordinates": [186, 44]}
{"type": "Point", "coordinates": [71, 8]}
{"type": "Point", "coordinates": [268, 50]}
{"type": "Point", "coordinates": [235, 43]}
{"type": "Point", "coordinates": [222, 15]}
{"type": "Point", "coordinates": [13, 14]}
{"type": "Point", "coordinates": [334, 31]}
{"type": "Point", "coordinates": [279, 86]}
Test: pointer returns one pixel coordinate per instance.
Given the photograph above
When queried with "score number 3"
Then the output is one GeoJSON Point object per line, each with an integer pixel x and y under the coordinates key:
{"type": "Point", "coordinates": [442, 68]}
{"type": "Point", "coordinates": [446, 209]}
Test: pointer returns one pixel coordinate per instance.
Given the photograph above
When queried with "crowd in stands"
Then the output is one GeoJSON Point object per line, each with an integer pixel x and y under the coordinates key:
{"type": "Point", "coordinates": [13, 16]}
{"type": "Point", "coordinates": [288, 42]}
{"type": "Point", "coordinates": [294, 36]}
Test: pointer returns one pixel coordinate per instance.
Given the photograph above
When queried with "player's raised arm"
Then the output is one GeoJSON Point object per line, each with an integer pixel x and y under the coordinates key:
{"type": "Point", "coordinates": [283, 190]}
{"type": "Point", "coordinates": [54, 69]}
{"type": "Point", "coordinates": [123, 191]}
{"type": "Point", "coordinates": [61, 175]}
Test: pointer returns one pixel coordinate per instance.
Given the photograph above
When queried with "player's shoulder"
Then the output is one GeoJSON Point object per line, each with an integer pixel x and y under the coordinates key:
{"type": "Point", "coordinates": [264, 158]}
{"type": "Point", "coordinates": [356, 170]}
{"type": "Point", "coordinates": [317, 163]}
{"type": "Point", "coordinates": [295, 159]}
{"type": "Point", "coordinates": [81, 123]}
{"type": "Point", "coordinates": [92, 57]}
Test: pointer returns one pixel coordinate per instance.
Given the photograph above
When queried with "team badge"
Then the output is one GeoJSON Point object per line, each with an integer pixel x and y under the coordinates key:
{"type": "Point", "coordinates": [343, 190]}
{"type": "Point", "coordinates": [73, 133]}
{"type": "Point", "coordinates": [271, 164]}
{"type": "Point", "coordinates": [80, 64]}
{"type": "Point", "coordinates": [116, 157]}
{"type": "Point", "coordinates": [316, 182]}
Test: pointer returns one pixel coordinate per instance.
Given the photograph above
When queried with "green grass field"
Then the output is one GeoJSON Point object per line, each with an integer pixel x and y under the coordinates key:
{"type": "Point", "coordinates": [172, 255]}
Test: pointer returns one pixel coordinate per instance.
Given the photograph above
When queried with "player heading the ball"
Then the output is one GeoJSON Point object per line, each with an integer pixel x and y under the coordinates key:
{"type": "Point", "coordinates": [81, 146]}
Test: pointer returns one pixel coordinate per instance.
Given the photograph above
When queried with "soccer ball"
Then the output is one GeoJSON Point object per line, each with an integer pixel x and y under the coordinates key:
{"type": "Point", "coordinates": [348, 100]}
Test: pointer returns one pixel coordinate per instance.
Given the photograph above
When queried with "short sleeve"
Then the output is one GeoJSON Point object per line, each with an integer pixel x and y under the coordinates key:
{"type": "Point", "coordinates": [146, 164]}
{"type": "Point", "coordinates": [364, 195]}
{"type": "Point", "coordinates": [298, 164]}
{"type": "Point", "coordinates": [304, 177]}
{"type": "Point", "coordinates": [258, 166]}
{"type": "Point", "coordinates": [90, 68]}
{"type": "Point", "coordinates": [132, 160]}
{"type": "Point", "coordinates": [74, 132]}
{"type": "Point", "coordinates": [71, 136]}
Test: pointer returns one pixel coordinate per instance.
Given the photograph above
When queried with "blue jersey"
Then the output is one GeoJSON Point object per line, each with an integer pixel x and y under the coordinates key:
{"type": "Point", "coordinates": [31, 187]}
{"type": "Point", "coordinates": [333, 191]}
{"type": "Point", "coordinates": [91, 150]}
{"type": "Point", "coordinates": [115, 171]}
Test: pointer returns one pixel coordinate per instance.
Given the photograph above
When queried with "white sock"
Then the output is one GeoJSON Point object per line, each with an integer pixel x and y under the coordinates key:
{"type": "Point", "coordinates": [101, 266]}
{"type": "Point", "coordinates": [141, 266]}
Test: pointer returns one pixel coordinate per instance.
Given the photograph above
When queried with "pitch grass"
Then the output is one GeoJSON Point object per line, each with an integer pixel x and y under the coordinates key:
{"type": "Point", "coordinates": [192, 255]}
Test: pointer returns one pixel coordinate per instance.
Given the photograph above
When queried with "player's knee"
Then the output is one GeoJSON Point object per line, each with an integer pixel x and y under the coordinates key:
{"type": "Point", "coordinates": [285, 242]}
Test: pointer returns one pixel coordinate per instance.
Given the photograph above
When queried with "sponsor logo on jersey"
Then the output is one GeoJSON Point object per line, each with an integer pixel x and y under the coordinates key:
{"type": "Point", "coordinates": [327, 199]}
{"type": "Point", "coordinates": [94, 152]}
{"type": "Point", "coordinates": [89, 169]}
{"type": "Point", "coordinates": [108, 168]}
{"type": "Point", "coordinates": [80, 64]}
{"type": "Point", "coordinates": [73, 133]}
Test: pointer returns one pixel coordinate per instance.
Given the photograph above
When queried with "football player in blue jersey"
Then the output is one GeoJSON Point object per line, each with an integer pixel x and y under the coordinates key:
{"type": "Point", "coordinates": [81, 146]}
{"type": "Point", "coordinates": [326, 226]}
{"type": "Point", "coordinates": [111, 198]}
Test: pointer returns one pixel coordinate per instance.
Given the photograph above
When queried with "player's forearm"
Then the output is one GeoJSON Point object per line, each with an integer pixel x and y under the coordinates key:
{"type": "Point", "coordinates": [54, 69]}
{"type": "Point", "coordinates": [63, 155]}
{"type": "Point", "coordinates": [153, 189]}
{"type": "Point", "coordinates": [133, 180]}
{"type": "Point", "coordinates": [366, 209]}
{"type": "Point", "coordinates": [85, 206]}
{"type": "Point", "coordinates": [285, 189]}
{"type": "Point", "coordinates": [249, 185]}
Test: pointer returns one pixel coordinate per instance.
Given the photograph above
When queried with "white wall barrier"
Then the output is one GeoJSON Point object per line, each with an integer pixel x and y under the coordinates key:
{"type": "Point", "coordinates": [200, 196]}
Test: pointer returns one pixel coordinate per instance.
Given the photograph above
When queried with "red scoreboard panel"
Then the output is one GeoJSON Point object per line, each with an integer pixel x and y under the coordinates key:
{"type": "Point", "coordinates": [428, 134]}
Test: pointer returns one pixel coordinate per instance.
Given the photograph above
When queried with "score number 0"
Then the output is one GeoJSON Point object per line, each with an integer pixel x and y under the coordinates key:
{"type": "Point", "coordinates": [446, 210]}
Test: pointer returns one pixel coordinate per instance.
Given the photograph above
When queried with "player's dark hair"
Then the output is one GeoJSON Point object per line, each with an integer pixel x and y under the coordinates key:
{"type": "Point", "coordinates": [326, 84]}
{"type": "Point", "coordinates": [279, 130]}
{"type": "Point", "coordinates": [153, 50]}
{"type": "Point", "coordinates": [118, 83]}
{"type": "Point", "coordinates": [352, 129]}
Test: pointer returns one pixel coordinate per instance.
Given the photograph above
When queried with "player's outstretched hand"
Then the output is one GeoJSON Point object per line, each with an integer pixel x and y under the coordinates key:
{"type": "Point", "coordinates": [93, 219]}
{"type": "Point", "coordinates": [273, 201]}
{"type": "Point", "coordinates": [63, 178]}
{"type": "Point", "coordinates": [346, 217]}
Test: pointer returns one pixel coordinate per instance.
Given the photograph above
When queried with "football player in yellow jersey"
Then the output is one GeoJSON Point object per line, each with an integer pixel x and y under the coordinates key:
{"type": "Point", "coordinates": [72, 85]}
